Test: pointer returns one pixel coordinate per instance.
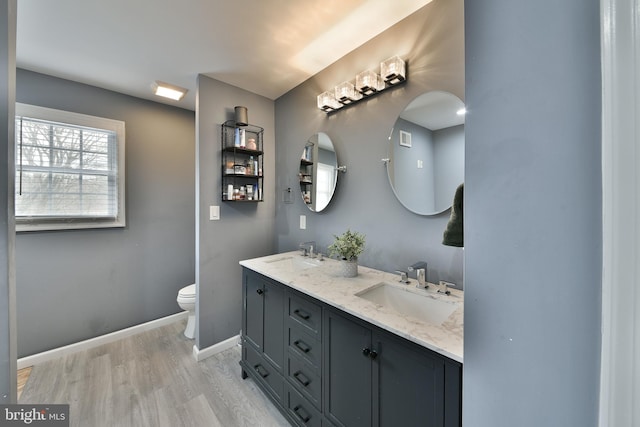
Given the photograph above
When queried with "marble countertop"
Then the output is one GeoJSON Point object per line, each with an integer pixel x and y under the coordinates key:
{"type": "Point", "coordinates": [320, 280]}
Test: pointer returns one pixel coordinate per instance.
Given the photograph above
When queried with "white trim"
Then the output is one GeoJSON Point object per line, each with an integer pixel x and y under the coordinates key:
{"type": "Point", "coordinates": [620, 376]}
{"type": "Point", "coordinates": [215, 349]}
{"type": "Point", "coordinates": [97, 341]}
{"type": "Point", "coordinates": [87, 121]}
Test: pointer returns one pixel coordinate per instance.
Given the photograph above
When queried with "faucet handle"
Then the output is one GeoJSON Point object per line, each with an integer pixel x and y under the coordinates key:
{"type": "Point", "coordinates": [443, 287]}
{"type": "Point", "coordinates": [403, 276]}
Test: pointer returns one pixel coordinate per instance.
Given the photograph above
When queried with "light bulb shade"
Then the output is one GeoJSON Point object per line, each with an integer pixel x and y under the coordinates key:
{"type": "Point", "coordinates": [327, 101]}
{"type": "Point", "coordinates": [346, 93]}
{"type": "Point", "coordinates": [242, 116]}
{"type": "Point", "coordinates": [368, 82]}
{"type": "Point", "coordinates": [393, 70]}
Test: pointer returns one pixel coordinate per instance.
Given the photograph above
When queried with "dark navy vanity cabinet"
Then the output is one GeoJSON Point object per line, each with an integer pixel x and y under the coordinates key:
{"type": "Point", "coordinates": [262, 325]}
{"type": "Point", "coordinates": [323, 367]}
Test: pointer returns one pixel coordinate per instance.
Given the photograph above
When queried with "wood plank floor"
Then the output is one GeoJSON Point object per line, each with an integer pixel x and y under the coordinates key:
{"type": "Point", "coordinates": [151, 379]}
{"type": "Point", "coordinates": [23, 376]}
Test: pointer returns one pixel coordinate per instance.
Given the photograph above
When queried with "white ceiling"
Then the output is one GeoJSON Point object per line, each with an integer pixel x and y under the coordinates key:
{"type": "Point", "coordinates": [265, 46]}
{"type": "Point", "coordinates": [435, 110]}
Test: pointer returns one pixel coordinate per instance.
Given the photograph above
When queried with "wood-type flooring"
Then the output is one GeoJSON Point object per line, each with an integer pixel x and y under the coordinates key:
{"type": "Point", "coordinates": [151, 379]}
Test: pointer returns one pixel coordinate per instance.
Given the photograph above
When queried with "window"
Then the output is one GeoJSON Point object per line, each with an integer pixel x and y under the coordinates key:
{"type": "Point", "coordinates": [69, 170]}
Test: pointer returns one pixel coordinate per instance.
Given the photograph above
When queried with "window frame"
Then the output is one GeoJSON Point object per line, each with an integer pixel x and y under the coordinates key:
{"type": "Point", "coordinates": [24, 223]}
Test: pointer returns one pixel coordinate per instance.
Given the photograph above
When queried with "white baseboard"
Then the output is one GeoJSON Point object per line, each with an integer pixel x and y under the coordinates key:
{"type": "Point", "coordinates": [102, 339]}
{"type": "Point", "coordinates": [216, 348]}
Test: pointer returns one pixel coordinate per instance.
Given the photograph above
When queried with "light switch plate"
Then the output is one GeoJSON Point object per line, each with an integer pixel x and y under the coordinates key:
{"type": "Point", "coordinates": [420, 164]}
{"type": "Point", "coordinates": [303, 222]}
{"type": "Point", "coordinates": [214, 213]}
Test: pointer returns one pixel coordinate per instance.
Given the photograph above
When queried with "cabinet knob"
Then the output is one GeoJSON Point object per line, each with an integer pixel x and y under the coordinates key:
{"type": "Point", "coordinates": [373, 354]}
{"type": "Point", "coordinates": [366, 351]}
{"type": "Point", "coordinates": [260, 291]}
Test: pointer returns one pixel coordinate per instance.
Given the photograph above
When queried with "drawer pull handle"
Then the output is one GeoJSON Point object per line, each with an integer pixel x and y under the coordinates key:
{"type": "Point", "coordinates": [301, 314]}
{"type": "Point", "coordinates": [304, 417]}
{"type": "Point", "coordinates": [302, 379]}
{"type": "Point", "coordinates": [372, 354]}
{"type": "Point", "coordinates": [302, 346]}
{"type": "Point", "coordinates": [261, 371]}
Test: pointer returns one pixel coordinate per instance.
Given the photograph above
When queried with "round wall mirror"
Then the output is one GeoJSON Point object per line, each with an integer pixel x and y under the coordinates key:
{"type": "Point", "coordinates": [318, 172]}
{"type": "Point", "coordinates": [426, 153]}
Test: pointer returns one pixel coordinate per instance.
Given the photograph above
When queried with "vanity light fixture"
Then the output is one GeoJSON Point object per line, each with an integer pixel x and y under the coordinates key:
{"type": "Point", "coordinates": [392, 70]}
{"type": "Point", "coordinates": [167, 90]}
{"type": "Point", "coordinates": [327, 101]}
{"type": "Point", "coordinates": [346, 93]}
{"type": "Point", "coordinates": [367, 83]}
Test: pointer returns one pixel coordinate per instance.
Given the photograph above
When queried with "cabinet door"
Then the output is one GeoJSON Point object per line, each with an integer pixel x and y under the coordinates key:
{"type": "Point", "coordinates": [408, 385]}
{"type": "Point", "coordinates": [274, 314]}
{"type": "Point", "coordinates": [347, 372]}
{"type": "Point", "coordinates": [253, 308]}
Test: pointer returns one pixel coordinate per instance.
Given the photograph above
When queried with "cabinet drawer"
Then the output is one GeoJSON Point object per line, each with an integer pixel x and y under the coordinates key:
{"type": "Point", "coordinates": [306, 346]}
{"type": "Point", "coordinates": [306, 380]}
{"type": "Point", "coordinates": [305, 313]}
{"type": "Point", "coordinates": [264, 372]}
{"type": "Point", "coordinates": [301, 410]}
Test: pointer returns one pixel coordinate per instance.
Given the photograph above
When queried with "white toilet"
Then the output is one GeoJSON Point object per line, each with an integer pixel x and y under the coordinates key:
{"type": "Point", "coordinates": [187, 301]}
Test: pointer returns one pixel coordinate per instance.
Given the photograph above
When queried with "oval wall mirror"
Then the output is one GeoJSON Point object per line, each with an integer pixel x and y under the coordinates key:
{"type": "Point", "coordinates": [318, 172]}
{"type": "Point", "coordinates": [426, 153]}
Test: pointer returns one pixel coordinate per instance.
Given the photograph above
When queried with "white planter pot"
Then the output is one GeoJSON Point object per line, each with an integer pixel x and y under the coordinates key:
{"type": "Point", "coordinates": [348, 268]}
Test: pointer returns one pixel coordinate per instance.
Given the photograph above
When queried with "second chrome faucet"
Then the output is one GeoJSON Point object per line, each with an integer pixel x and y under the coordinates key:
{"type": "Point", "coordinates": [420, 268]}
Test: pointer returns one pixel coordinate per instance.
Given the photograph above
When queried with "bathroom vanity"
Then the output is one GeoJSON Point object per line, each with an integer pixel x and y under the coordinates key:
{"type": "Point", "coordinates": [333, 351]}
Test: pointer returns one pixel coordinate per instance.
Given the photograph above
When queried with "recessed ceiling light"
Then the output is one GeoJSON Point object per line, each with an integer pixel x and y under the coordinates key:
{"type": "Point", "coordinates": [169, 91]}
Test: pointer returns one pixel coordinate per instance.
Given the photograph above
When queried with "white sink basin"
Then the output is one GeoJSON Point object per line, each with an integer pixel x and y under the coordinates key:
{"type": "Point", "coordinates": [410, 301]}
{"type": "Point", "coordinates": [295, 262]}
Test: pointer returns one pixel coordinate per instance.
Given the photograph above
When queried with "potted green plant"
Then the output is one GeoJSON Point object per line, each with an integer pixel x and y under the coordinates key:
{"type": "Point", "coordinates": [347, 247]}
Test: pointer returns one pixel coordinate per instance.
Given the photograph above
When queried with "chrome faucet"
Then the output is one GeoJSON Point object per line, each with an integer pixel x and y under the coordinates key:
{"type": "Point", "coordinates": [421, 274]}
{"type": "Point", "coordinates": [306, 248]}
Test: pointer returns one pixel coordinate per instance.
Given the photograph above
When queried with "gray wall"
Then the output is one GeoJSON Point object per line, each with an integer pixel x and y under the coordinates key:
{"type": "Point", "coordinates": [406, 174]}
{"type": "Point", "coordinates": [74, 285]}
{"type": "Point", "coordinates": [7, 233]}
{"type": "Point", "coordinates": [449, 151]}
{"type": "Point", "coordinates": [532, 214]}
{"type": "Point", "coordinates": [245, 230]}
{"type": "Point", "coordinates": [432, 42]}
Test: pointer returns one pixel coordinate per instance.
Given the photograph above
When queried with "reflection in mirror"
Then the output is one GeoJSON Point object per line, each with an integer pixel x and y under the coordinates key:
{"type": "Point", "coordinates": [318, 172]}
{"type": "Point", "coordinates": [426, 153]}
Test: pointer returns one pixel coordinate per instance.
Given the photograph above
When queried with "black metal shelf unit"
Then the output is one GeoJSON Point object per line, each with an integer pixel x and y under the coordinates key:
{"type": "Point", "coordinates": [242, 162]}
